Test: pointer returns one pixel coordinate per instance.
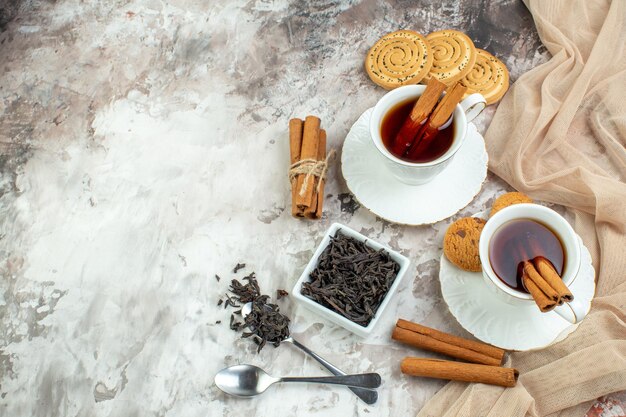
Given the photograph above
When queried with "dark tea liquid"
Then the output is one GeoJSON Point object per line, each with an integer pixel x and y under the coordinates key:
{"type": "Point", "coordinates": [523, 240]}
{"type": "Point", "coordinates": [392, 122]}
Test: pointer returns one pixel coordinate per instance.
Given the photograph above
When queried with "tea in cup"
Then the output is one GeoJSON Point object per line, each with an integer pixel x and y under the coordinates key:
{"type": "Point", "coordinates": [529, 235]}
{"type": "Point", "coordinates": [421, 167]}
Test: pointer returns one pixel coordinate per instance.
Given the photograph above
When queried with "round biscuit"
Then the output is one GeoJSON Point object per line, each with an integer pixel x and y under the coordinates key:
{"type": "Point", "coordinates": [454, 55]}
{"type": "Point", "coordinates": [399, 58]}
{"type": "Point", "coordinates": [509, 199]}
{"type": "Point", "coordinates": [488, 77]}
{"type": "Point", "coordinates": [460, 243]}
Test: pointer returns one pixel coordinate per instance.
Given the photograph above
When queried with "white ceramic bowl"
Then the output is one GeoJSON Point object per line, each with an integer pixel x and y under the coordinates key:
{"type": "Point", "coordinates": [330, 315]}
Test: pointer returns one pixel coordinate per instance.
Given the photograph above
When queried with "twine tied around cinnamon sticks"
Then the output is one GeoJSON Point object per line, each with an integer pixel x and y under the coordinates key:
{"type": "Point", "coordinates": [307, 146]}
{"type": "Point", "coordinates": [310, 167]}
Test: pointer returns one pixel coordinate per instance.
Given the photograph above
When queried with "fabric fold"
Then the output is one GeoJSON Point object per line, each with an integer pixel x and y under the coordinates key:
{"type": "Point", "coordinates": [559, 136]}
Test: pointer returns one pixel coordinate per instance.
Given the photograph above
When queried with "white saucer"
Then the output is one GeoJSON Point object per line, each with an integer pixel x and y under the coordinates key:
{"type": "Point", "coordinates": [510, 327]}
{"type": "Point", "coordinates": [379, 191]}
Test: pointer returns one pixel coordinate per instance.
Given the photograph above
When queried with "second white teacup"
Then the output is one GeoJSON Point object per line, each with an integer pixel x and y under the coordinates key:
{"type": "Point", "coordinates": [415, 173]}
{"type": "Point", "coordinates": [574, 311]}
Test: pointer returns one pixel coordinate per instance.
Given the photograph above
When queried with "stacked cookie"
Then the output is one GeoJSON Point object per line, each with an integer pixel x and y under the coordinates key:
{"type": "Point", "coordinates": [406, 57]}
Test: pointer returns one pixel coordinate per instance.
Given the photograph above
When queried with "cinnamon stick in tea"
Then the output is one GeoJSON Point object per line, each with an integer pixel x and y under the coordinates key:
{"type": "Point", "coordinates": [295, 143]}
{"type": "Point", "coordinates": [310, 143]}
{"type": "Point", "coordinates": [543, 282]}
{"type": "Point", "coordinates": [417, 118]}
{"type": "Point", "coordinates": [532, 274]}
{"type": "Point", "coordinates": [436, 341]}
{"type": "Point", "coordinates": [315, 211]}
{"type": "Point", "coordinates": [460, 371]}
{"type": "Point", "coordinates": [549, 274]}
{"type": "Point", "coordinates": [544, 303]}
{"type": "Point", "coordinates": [437, 119]}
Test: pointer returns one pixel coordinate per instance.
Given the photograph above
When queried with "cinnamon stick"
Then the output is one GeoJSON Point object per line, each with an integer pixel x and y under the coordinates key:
{"type": "Point", "coordinates": [544, 303]}
{"type": "Point", "coordinates": [310, 144]}
{"type": "Point", "coordinates": [436, 341]}
{"type": "Point", "coordinates": [315, 211]}
{"type": "Point", "coordinates": [549, 274]}
{"type": "Point", "coordinates": [437, 118]}
{"type": "Point", "coordinates": [459, 371]}
{"type": "Point", "coordinates": [295, 139]}
{"type": "Point", "coordinates": [533, 275]}
{"type": "Point", "coordinates": [416, 120]}
{"type": "Point", "coordinates": [295, 144]}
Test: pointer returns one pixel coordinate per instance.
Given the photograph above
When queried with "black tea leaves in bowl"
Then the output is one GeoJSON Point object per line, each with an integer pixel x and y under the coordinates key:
{"type": "Point", "coordinates": [351, 278]}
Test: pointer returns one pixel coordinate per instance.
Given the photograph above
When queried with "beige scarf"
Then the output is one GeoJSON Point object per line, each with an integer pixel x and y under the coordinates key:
{"type": "Point", "coordinates": [560, 136]}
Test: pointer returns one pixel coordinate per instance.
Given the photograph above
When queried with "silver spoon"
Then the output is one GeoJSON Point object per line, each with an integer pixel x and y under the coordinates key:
{"type": "Point", "coordinates": [250, 380]}
{"type": "Point", "coordinates": [368, 396]}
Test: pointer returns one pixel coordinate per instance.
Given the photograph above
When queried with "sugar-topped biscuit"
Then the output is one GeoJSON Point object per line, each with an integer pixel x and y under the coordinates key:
{"type": "Point", "coordinates": [454, 56]}
{"type": "Point", "coordinates": [488, 77]}
{"type": "Point", "coordinates": [399, 58]}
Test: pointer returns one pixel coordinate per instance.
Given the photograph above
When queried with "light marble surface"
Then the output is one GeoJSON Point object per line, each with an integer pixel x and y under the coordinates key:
{"type": "Point", "coordinates": [144, 150]}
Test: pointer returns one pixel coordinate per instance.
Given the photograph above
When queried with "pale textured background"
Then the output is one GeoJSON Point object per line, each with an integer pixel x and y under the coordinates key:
{"type": "Point", "coordinates": [143, 149]}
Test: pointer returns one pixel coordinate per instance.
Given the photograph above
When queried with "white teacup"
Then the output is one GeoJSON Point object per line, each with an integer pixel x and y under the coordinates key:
{"type": "Point", "coordinates": [420, 173]}
{"type": "Point", "coordinates": [574, 311]}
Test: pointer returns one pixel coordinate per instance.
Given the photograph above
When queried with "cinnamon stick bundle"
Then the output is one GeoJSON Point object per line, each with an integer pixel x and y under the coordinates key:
{"type": "Point", "coordinates": [417, 118]}
{"type": "Point", "coordinates": [437, 119]}
{"type": "Point", "coordinates": [306, 141]}
{"type": "Point", "coordinates": [310, 144]}
{"type": "Point", "coordinates": [544, 284]}
{"type": "Point", "coordinates": [436, 341]}
{"type": "Point", "coordinates": [459, 371]}
{"type": "Point", "coordinates": [544, 303]}
{"type": "Point", "coordinates": [547, 271]}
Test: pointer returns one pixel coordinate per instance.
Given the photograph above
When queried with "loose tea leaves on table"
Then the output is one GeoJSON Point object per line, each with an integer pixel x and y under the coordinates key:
{"type": "Point", "coordinates": [351, 278]}
{"type": "Point", "coordinates": [281, 293]}
{"type": "Point", "coordinates": [248, 292]}
{"type": "Point", "coordinates": [229, 302]}
{"type": "Point", "coordinates": [238, 267]}
{"type": "Point", "coordinates": [265, 323]}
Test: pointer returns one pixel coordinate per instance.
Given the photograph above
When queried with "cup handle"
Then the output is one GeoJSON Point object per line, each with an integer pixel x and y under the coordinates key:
{"type": "Point", "coordinates": [473, 105]}
{"type": "Point", "coordinates": [573, 311]}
